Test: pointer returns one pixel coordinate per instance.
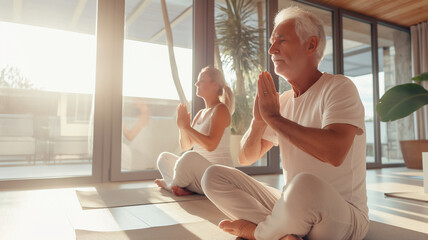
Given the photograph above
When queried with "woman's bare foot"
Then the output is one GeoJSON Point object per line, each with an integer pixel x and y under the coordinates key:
{"type": "Point", "coordinates": [291, 237]}
{"type": "Point", "coordinates": [161, 183]}
{"type": "Point", "coordinates": [178, 191]}
{"type": "Point", "coordinates": [241, 228]}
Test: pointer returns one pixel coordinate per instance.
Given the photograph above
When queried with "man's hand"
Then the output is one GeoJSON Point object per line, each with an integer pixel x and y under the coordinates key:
{"type": "Point", "coordinates": [256, 112]}
{"type": "Point", "coordinates": [268, 97]}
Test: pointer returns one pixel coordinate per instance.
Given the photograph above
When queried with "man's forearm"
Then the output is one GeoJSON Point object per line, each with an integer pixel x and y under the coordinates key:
{"type": "Point", "coordinates": [251, 143]}
{"type": "Point", "coordinates": [329, 144]}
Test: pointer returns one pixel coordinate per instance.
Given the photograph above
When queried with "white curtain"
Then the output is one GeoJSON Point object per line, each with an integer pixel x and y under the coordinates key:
{"type": "Point", "coordinates": [419, 34]}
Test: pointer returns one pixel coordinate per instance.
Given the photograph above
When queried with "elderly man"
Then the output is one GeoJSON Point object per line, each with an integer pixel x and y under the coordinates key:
{"type": "Point", "coordinates": [319, 127]}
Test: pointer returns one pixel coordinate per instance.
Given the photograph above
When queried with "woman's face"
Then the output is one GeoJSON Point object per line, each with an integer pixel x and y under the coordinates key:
{"type": "Point", "coordinates": [205, 87]}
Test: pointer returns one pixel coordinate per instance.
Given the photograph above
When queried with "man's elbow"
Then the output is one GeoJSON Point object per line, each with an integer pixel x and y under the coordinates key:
{"type": "Point", "coordinates": [336, 160]}
{"type": "Point", "coordinates": [185, 147]}
{"type": "Point", "coordinates": [243, 161]}
{"type": "Point", "coordinates": [211, 147]}
{"type": "Point", "coordinates": [336, 163]}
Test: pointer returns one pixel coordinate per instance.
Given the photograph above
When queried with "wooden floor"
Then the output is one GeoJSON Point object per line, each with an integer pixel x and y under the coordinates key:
{"type": "Point", "coordinates": [55, 213]}
{"type": "Point", "coordinates": [396, 218]}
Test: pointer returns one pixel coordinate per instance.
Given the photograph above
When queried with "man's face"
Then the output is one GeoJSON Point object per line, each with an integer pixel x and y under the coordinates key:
{"type": "Point", "coordinates": [287, 52]}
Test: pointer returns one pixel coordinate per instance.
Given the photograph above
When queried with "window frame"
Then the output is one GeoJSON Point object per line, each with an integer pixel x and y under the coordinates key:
{"type": "Point", "coordinates": [338, 14]}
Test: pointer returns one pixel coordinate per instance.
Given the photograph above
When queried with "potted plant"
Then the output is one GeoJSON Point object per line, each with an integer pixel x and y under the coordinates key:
{"type": "Point", "coordinates": [238, 42]}
{"type": "Point", "coordinates": [399, 102]}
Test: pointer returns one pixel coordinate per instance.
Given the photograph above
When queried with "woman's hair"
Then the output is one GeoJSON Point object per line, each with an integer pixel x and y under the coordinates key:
{"type": "Point", "coordinates": [224, 91]}
{"type": "Point", "coordinates": [306, 25]}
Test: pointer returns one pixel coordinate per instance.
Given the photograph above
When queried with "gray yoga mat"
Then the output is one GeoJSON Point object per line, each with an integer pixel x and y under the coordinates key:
{"type": "Point", "coordinates": [106, 198]}
{"type": "Point", "coordinates": [187, 231]}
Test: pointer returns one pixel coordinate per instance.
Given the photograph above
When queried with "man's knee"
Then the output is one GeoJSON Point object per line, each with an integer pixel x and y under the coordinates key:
{"type": "Point", "coordinates": [306, 181]}
{"type": "Point", "coordinates": [304, 189]}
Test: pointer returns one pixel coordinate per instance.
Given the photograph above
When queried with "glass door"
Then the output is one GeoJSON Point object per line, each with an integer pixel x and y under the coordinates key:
{"type": "Point", "coordinates": [149, 94]}
{"type": "Point", "coordinates": [394, 68]}
{"type": "Point", "coordinates": [240, 51]}
{"type": "Point", "coordinates": [47, 76]}
{"type": "Point", "coordinates": [357, 62]}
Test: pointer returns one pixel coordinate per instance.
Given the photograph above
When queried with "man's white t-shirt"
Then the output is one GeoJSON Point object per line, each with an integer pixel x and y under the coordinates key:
{"type": "Point", "coordinates": [332, 99]}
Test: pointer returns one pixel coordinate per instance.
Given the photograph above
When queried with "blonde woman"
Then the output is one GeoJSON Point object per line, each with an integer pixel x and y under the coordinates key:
{"type": "Point", "coordinates": [208, 135]}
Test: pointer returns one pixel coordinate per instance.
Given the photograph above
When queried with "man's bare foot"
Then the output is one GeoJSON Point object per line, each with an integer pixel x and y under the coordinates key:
{"type": "Point", "coordinates": [161, 183]}
{"type": "Point", "coordinates": [291, 237]}
{"type": "Point", "coordinates": [241, 228]}
{"type": "Point", "coordinates": [178, 191]}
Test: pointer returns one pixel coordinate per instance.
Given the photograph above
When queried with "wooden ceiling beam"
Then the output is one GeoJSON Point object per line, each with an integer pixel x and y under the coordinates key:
{"type": "Point", "coordinates": [188, 11]}
{"type": "Point", "coordinates": [401, 12]}
{"type": "Point", "coordinates": [137, 12]}
{"type": "Point", "coordinates": [17, 10]}
{"type": "Point", "coordinates": [81, 4]}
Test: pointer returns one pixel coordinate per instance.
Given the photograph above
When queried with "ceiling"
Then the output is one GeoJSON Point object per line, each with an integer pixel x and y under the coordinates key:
{"type": "Point", "coordinates": [144, 21]}
{"type": "Point", "coordinates": [402, 12]}
{"type": "Point", "coordinates": [144, 17]}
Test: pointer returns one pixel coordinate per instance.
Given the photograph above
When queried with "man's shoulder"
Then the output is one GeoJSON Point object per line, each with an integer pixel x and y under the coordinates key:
{"type": "Point", "coordinates": [337, 82]}
{"type": "Point", "coordinates": [335, 78]}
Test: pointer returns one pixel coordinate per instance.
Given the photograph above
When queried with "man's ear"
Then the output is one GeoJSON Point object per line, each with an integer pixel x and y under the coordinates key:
{"type": "Point", "coordinates": [312, 45]}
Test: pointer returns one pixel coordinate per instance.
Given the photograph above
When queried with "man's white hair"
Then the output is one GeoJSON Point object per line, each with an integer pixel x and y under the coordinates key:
{"type": "Point", "coordinates": [306, 25]}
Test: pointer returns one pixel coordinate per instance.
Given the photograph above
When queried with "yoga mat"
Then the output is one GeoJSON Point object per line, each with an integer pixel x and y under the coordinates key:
{"type": "Point", "coordinates": [106, 198]}
{"type": "Point", "coordinates": [418, 196]}
{"type": "Point", "coordinates": [187, 231]}
{"type": "Point", "coordinates": [143, 216]}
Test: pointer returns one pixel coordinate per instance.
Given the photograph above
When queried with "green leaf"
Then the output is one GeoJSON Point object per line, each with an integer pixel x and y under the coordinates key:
{"type": "Point", "coordinates": [421, 77]}
{"type": "Point", "coordinates": [400, 101]}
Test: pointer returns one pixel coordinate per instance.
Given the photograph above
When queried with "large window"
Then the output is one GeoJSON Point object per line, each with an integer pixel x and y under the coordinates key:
{"type": "Point", "coordinates": [150, 96]}
{"type": "Point", "coordinates": [47, 76]}
{"type": "Point", "coordinates": [357, 62]}
{"type": "Point", "coordinates": [240, 52]}
{"type": "Point", "coordinates": [394, 68]}
{"type": "Point", "coordinates": [64, 70]}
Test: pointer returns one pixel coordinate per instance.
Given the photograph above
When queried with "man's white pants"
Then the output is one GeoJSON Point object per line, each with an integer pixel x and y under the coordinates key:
{"type": "Point", "coordinates": [185, 171]}
{"type": "Point", "coordinates": [307, 206]}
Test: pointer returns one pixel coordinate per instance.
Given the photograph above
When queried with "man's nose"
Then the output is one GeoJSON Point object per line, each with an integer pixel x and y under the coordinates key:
{"type": "Point", "coordinates": [273, 49]}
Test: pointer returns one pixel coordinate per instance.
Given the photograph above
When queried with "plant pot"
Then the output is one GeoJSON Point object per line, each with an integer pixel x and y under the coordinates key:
{"type": "Point", "coordinates": [412, 152]}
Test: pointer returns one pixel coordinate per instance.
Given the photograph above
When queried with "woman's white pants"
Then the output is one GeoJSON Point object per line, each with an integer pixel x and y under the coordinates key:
{"type": "Point", "coordinates": [184, 171]}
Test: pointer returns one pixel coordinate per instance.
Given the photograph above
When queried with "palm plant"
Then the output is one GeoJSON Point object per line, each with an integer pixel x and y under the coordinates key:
{"type": "Point", "coordinates": [238, 42]}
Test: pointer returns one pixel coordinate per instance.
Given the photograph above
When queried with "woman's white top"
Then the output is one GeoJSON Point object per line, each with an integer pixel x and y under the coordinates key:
{"type": "Point", "coordinates": [221, 155]}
